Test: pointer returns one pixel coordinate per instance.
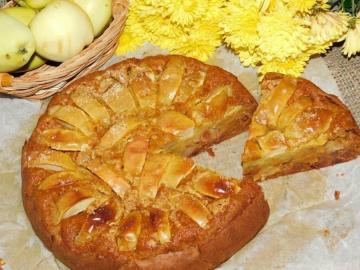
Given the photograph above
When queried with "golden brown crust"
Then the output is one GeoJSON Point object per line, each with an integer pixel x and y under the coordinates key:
{"type": "Point", "coordinates": [248, 213]}
{"type": "Point", "coordinates": [103, 143]}
{"type": "Point", "coordinates": [309, 130]}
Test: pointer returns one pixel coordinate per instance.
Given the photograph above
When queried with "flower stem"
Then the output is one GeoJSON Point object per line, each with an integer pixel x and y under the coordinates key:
{"type": "Point", "coordinates": [353, 7]}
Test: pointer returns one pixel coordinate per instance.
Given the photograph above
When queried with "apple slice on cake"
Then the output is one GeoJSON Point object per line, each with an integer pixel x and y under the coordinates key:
{"type": "Point", "coordinates": [297, 127]}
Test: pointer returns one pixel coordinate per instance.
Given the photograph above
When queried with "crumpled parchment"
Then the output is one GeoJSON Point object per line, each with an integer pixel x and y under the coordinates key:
{"type": "Point", "coordinates": [307, 229]}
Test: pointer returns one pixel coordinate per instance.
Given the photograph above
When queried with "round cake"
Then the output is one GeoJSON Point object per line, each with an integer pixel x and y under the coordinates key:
{"type": "Point", "coordinates": [107, 178]}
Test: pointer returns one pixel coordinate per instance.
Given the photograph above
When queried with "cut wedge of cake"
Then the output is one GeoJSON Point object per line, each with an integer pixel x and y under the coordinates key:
{"type": "Point", "coordinates": [107, 183]}
{"type": "Point", "coordinates": [297, 127]}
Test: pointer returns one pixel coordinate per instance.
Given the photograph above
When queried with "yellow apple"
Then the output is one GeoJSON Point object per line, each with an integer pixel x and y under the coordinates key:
{"type": "Point", "coordinates": [22, 3]}
{"type": "Point", "coordinates": [25, 15]}
{"type": "Point", "coordinates": [61, 30]}
{"type": "Point", "coordinates": [34, 62]}
{"type": "Point", "coordinates": [99, 12]}
{"type": "Point", "coordinates": [38, 4]}
{"type": "Point", "coordinates": [22, 14]}
{"type": "Point", "coordinates": [18, 46]}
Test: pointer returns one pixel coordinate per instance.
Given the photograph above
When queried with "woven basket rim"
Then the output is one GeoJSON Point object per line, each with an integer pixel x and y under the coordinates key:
{"type": "Point", "coordinates": [47, 80]}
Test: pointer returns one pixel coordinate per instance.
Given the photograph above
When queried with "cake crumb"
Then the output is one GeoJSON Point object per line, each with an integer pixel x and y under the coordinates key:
{"type": "Point", "coordinates": [337, 195]}
{"type": "Point", "coordinates": [210, 152]}
{"type": "Point", "coordinates": [326, 232]}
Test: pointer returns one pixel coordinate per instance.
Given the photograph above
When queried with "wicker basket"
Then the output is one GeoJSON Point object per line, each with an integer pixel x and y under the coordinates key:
{"type": "Point", "coordinates": [47, 80]}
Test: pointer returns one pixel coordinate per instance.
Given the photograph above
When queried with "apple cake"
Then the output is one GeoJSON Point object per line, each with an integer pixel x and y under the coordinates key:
{"type": "Point", "coordinates": [297, 127]}
{"type": "Point", "coordinates": [107, 182]}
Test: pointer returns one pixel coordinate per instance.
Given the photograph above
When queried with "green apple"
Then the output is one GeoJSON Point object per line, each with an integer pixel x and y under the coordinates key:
{"type": "Point", "coordinates": [99, 12]}
{"type": "Point", "coordinates": [38, 4]}
{"type": "Point", "coordinates": [22, 14]}
{"type": "Point", "coordinates": [18, 46]}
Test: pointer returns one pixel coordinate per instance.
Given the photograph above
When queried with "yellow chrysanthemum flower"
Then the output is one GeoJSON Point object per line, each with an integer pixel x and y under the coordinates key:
{"type": "Point", "coordinates": [248, 58]}
{"type": "Point", "coordinates": [128, 42]}
{"type": "Point", "coordinates": [327, 27]}
{"type": "Point", "coordinates": [291, 66]}
{"type": "Point", "coordinates": [301, 6]}
{"type": "Point", "coordinates": [240, 25]}
{"type": "Point", "coordinates": [197, 43]}
{"type": "Point", "coordinates": [149, 22]}
{"type": "Point", "coordinates": [215, 10]}
{"type": "Point", "coordinates": [160, 27]}
{"type": "Point", "coordinates": [314, 49]}
{"type": "Point", "coordinates": [305, 6]}
{"type": "Point", "coordinates": [132, 35]}
{"type": "Point", "coordinates": [185, 12]}
{"type": "Point", "coordinates": [267, 5]}
{"type": "Point", "coordinates": [277, 35]}
{"type": "Point", "coordinates": [281, 36]}
{"type": "Point", "coordinates": [179, 26]}
{"type": "Point", "coordinates": [144, 8]}
{"type": "Point", "coordinates": [352, 40]}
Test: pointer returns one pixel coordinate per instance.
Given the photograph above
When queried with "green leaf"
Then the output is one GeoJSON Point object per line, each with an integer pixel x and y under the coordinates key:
{"type": "Point", "coordinates": [350, 5]}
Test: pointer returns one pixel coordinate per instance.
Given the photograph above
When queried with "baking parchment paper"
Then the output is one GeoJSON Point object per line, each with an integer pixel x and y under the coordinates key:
{"type": "Point", "coordinates": [307, 229]}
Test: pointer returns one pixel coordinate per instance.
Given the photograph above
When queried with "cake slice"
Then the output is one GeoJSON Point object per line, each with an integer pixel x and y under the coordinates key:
{"type": "Point", "coordinates": [297, 127]}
